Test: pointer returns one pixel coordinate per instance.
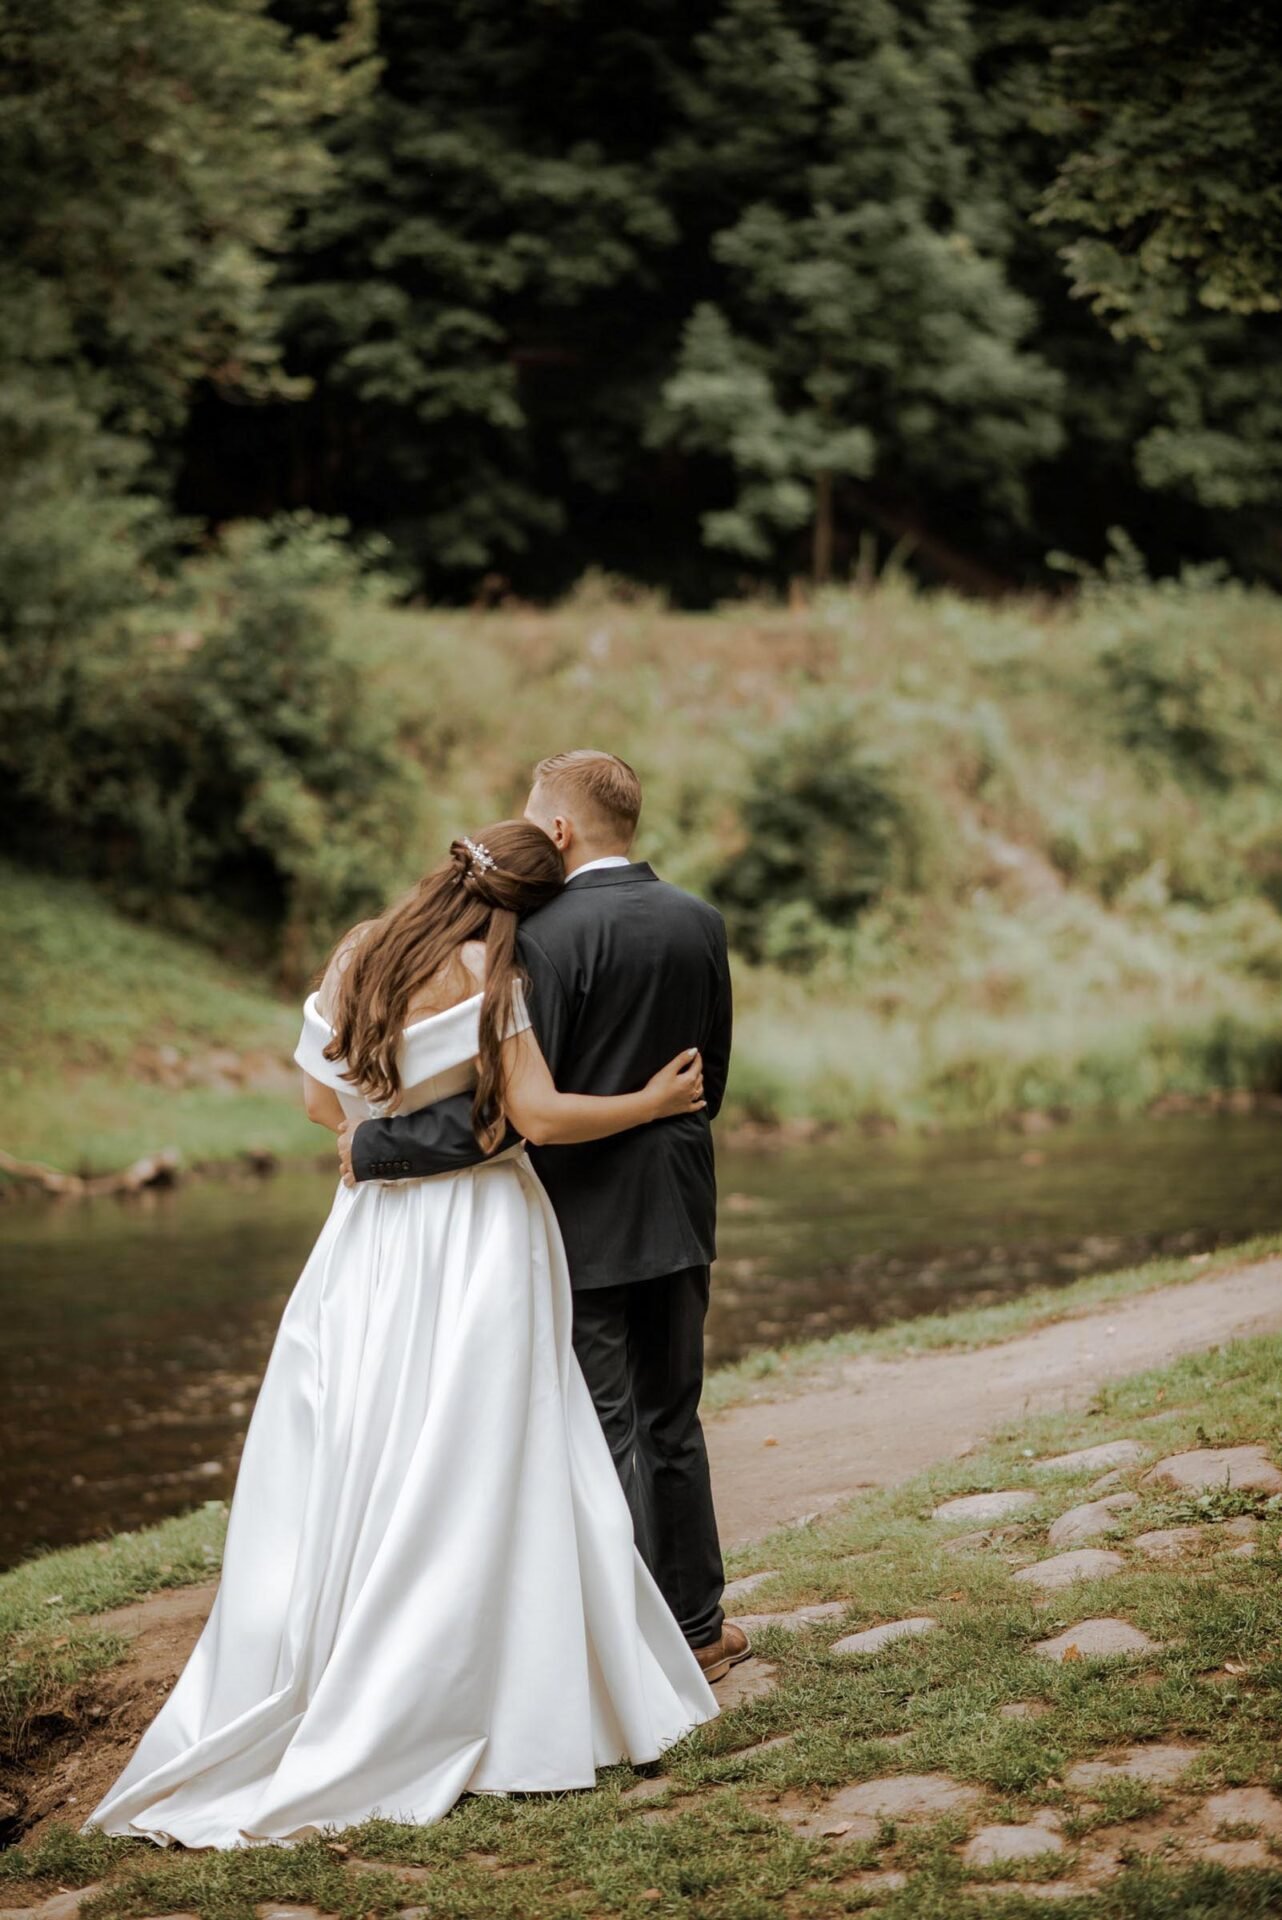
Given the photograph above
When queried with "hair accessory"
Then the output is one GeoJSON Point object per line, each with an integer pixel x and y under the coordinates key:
{"type": "Point", "coordinates": [480, 855]}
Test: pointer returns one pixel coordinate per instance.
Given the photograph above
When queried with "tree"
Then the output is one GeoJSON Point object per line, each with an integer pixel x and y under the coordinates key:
{"type": "Point", "coordinates": [864, 327]}
{"type": "Point", "coordinates": [459, 303]}
{"type": "Point", "coordinates": [1173, 427]}
{"type": "Point", "coordinates": [1171, 182]}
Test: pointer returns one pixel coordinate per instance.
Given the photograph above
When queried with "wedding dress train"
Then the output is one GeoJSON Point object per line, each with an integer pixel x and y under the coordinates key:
{"type": "Point", "coordinates": [429, 1585]}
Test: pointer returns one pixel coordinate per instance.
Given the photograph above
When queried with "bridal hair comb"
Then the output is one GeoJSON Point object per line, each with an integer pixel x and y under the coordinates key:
{"type": "Point", "coordinates": [480, 855]}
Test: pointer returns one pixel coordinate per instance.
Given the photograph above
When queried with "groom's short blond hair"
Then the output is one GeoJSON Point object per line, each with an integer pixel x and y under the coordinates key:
{"type": "Point", "coordinates": [600, 791]}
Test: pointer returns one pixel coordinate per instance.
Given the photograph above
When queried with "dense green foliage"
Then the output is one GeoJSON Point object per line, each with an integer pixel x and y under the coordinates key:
{"type": "Point", "coordinates": [683, 290]}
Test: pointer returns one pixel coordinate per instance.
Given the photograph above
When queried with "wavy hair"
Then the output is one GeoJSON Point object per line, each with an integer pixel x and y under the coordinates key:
{"type": "Point", "coordinates": [478, 893]}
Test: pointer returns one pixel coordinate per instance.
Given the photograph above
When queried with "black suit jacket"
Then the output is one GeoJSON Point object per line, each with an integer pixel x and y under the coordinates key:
{"type": "Point", "coordinates": [624, 972]}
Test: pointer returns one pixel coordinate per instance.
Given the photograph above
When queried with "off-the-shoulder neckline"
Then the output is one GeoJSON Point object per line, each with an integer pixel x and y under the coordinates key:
{"type": "Point", "coordinates": [411, 1026]}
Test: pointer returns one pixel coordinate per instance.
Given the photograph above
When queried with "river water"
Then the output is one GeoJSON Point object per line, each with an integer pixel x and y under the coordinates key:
{"type": "Point", "coordinates": [135, 1332]}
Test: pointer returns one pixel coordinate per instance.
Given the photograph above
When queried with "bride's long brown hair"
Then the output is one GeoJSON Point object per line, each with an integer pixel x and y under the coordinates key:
{"type": "Point", "coordinates": [478, 893]}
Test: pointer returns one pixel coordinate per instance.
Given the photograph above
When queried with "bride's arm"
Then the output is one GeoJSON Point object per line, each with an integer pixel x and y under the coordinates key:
{"type": "Point", "coordinates": [547, 1118]}
{"type": "Point", "coordinates": [322, 1103]}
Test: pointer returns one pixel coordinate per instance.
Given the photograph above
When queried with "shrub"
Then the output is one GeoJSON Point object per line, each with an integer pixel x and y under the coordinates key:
{"type": "Point", "coordinates": [827, 829]}
{"type": "Point", "coordinates": [1175, 702]}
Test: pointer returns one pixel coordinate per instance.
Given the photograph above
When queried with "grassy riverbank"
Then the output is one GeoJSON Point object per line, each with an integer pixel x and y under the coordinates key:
{"type": "Point", "coordinates": [749, 1821]}
{"type": "Point", "coordinates": [978, 860]}
{"type": "Point", "coordinates": [120, 1039]}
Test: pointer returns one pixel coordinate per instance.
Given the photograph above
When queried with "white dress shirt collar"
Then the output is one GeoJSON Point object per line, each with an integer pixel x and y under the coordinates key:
{"type": "Point", "coordinates": [591, 866]}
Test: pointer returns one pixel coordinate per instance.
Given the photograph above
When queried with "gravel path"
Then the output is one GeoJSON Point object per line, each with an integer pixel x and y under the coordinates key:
{"type": "Point", "coordinates": [890, 1419]}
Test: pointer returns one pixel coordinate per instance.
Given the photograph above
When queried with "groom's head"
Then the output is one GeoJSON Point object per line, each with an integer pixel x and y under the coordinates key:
{"type": "Point", "coordinates": [588, 802]}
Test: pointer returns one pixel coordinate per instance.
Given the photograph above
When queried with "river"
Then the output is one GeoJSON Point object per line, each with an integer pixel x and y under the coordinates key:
{"type": "Point", "coordinates": [135, 1332]}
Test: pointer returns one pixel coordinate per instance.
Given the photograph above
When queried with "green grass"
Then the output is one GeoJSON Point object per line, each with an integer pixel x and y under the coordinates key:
{"type": "Point", "coordinates": [49, 1643]}
{"type": "Point", "coordinates": [725, 1856]}
{"type": "Point", "coordinates": [91, 1002]}
{"type": "Point", "coordinates": [780, 1373]}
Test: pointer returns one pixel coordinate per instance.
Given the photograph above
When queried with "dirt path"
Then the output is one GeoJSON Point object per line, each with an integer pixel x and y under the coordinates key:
{"type": "Point", "coordinates": [890, 1419]}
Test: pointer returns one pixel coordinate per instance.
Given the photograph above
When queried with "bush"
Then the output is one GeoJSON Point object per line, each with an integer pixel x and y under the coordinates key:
{"type": "Point", "coordinates": [232, 761]}
{"type": "Point", "coordinates": [827, 829]}
{"type": "Point", "coordinates": [1175, 702]}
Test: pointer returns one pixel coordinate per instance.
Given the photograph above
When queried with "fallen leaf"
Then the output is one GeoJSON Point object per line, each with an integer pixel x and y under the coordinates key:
{"type": "Point", "coordinates": [959, 1595]}
{"type": "Point", "coordinates": [1072, 1651]}
{"type": "Point", "coordinates": [770, 1441]}
{"type": "Point", "coordinates": [1236, 1666]}
{"type": "Point", "coordinates": [835, 1831]}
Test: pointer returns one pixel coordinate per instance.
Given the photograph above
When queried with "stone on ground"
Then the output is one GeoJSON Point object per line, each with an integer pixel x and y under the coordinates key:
{"type": "Point", "coordinates": [871, 1881]}
{"type": "Point", "coordinates": [736, 1590]}
{"type": "Point", "coordinates": [1106, 1482]}
{"type": "Point", "coordinates": [1168, 1543]}
{"type": "Point", "coordinates": [1245, 1469]}
{"type": "Point", "coordinates": [1242, 1807]}
{"type": "Point", "coordinates": [992, 1844]}
{"type": "Point", "coordinates": [1095, 1640]}
{"type": "Point", "coordinates": [652, 1789]}
{"type": "Point", "coordinates": [1031, 1889]}
{"type": "Point", "coordinates": [63, 1905]}
{"type": "Point", "coordinates": [1113, 1453]}
{"type": "Point", "coordinates": [1024, 1710]}
{"type": "Point", "coordinates": [979, 1507]}
{"type": "Point", "coordinates": [799, 1616]}
{"type": "Point", "coordinates": [1157, 1766]}
{"type": "Point", "coordinates": [835, 1819]}
{"type": "Point", "coordinates": [1236, 1853]}
{"type": "Point", "coordinates": [1094, 1521]}
{"type": "Point", "coordinates": [1247, 1551]}
{"type": "Point", "coordinates": [872, 1801]}
{"type": "Point", "coordinates": [1086, 1563]}
{"type": "Point", "coordinates": [979, 1541]}
{"type": "Point", "coordinates": [873, 1639]}
{"type": "Point", "coordinates": [750, 1680]}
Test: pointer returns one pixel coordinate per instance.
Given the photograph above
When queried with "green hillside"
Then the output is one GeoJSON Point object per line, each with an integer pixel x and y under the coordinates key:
{"type": "Point", "coordinates": [977, 860]}
{"type": "Point", "coordinates": [118, 1040]}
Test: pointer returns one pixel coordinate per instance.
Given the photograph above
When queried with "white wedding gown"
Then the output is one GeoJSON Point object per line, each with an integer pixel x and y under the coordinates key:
{"type": "Point", "coordinates": [429, 1585]}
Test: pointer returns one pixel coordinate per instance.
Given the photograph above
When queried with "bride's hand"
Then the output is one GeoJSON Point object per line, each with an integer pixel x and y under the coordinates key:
{"type": "Point", "coordinates": [678, 1087]}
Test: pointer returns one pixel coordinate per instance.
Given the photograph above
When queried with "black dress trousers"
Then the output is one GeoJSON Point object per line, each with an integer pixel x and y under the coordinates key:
{"type": "Point", "coordinates": [640, 1346]}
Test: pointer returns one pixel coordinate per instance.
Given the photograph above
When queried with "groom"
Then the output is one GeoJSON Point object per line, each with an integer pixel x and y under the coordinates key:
{"type": "Point", "coordinates": [624, 972]}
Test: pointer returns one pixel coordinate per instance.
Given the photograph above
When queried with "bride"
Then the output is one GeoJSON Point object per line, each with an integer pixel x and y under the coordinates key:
{"type": "Point", "coordinates": [429, 1586]}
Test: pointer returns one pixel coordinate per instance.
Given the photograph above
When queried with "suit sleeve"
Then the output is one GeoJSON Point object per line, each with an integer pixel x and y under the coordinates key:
{"type": "Point", "coordinates": [716, 1050]}
{"type": "Point", "coordinates": [548, 1002]}
{"type": "Point", "coordinates": [436, 1139]}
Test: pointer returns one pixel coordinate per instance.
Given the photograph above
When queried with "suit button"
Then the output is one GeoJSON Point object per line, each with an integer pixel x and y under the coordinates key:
{"type": "Point", "coordinates": [405, 1166]}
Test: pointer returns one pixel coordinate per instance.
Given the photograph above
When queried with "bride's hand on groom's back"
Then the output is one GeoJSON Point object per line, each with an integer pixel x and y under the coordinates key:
{"type": "Point", "coordinates": [678, 1087]}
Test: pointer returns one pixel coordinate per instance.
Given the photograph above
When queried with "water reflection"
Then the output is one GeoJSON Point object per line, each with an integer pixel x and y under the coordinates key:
{"type": "Point", "coordinates": [135, 1334]}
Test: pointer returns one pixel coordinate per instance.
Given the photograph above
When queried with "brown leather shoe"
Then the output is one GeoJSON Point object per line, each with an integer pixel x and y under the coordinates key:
{"type": "Point", "coordinates": [721, 1654]}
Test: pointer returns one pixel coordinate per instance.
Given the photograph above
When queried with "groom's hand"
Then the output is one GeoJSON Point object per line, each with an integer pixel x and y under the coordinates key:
{"type": "Point", "coordinates": [345, 1133]}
